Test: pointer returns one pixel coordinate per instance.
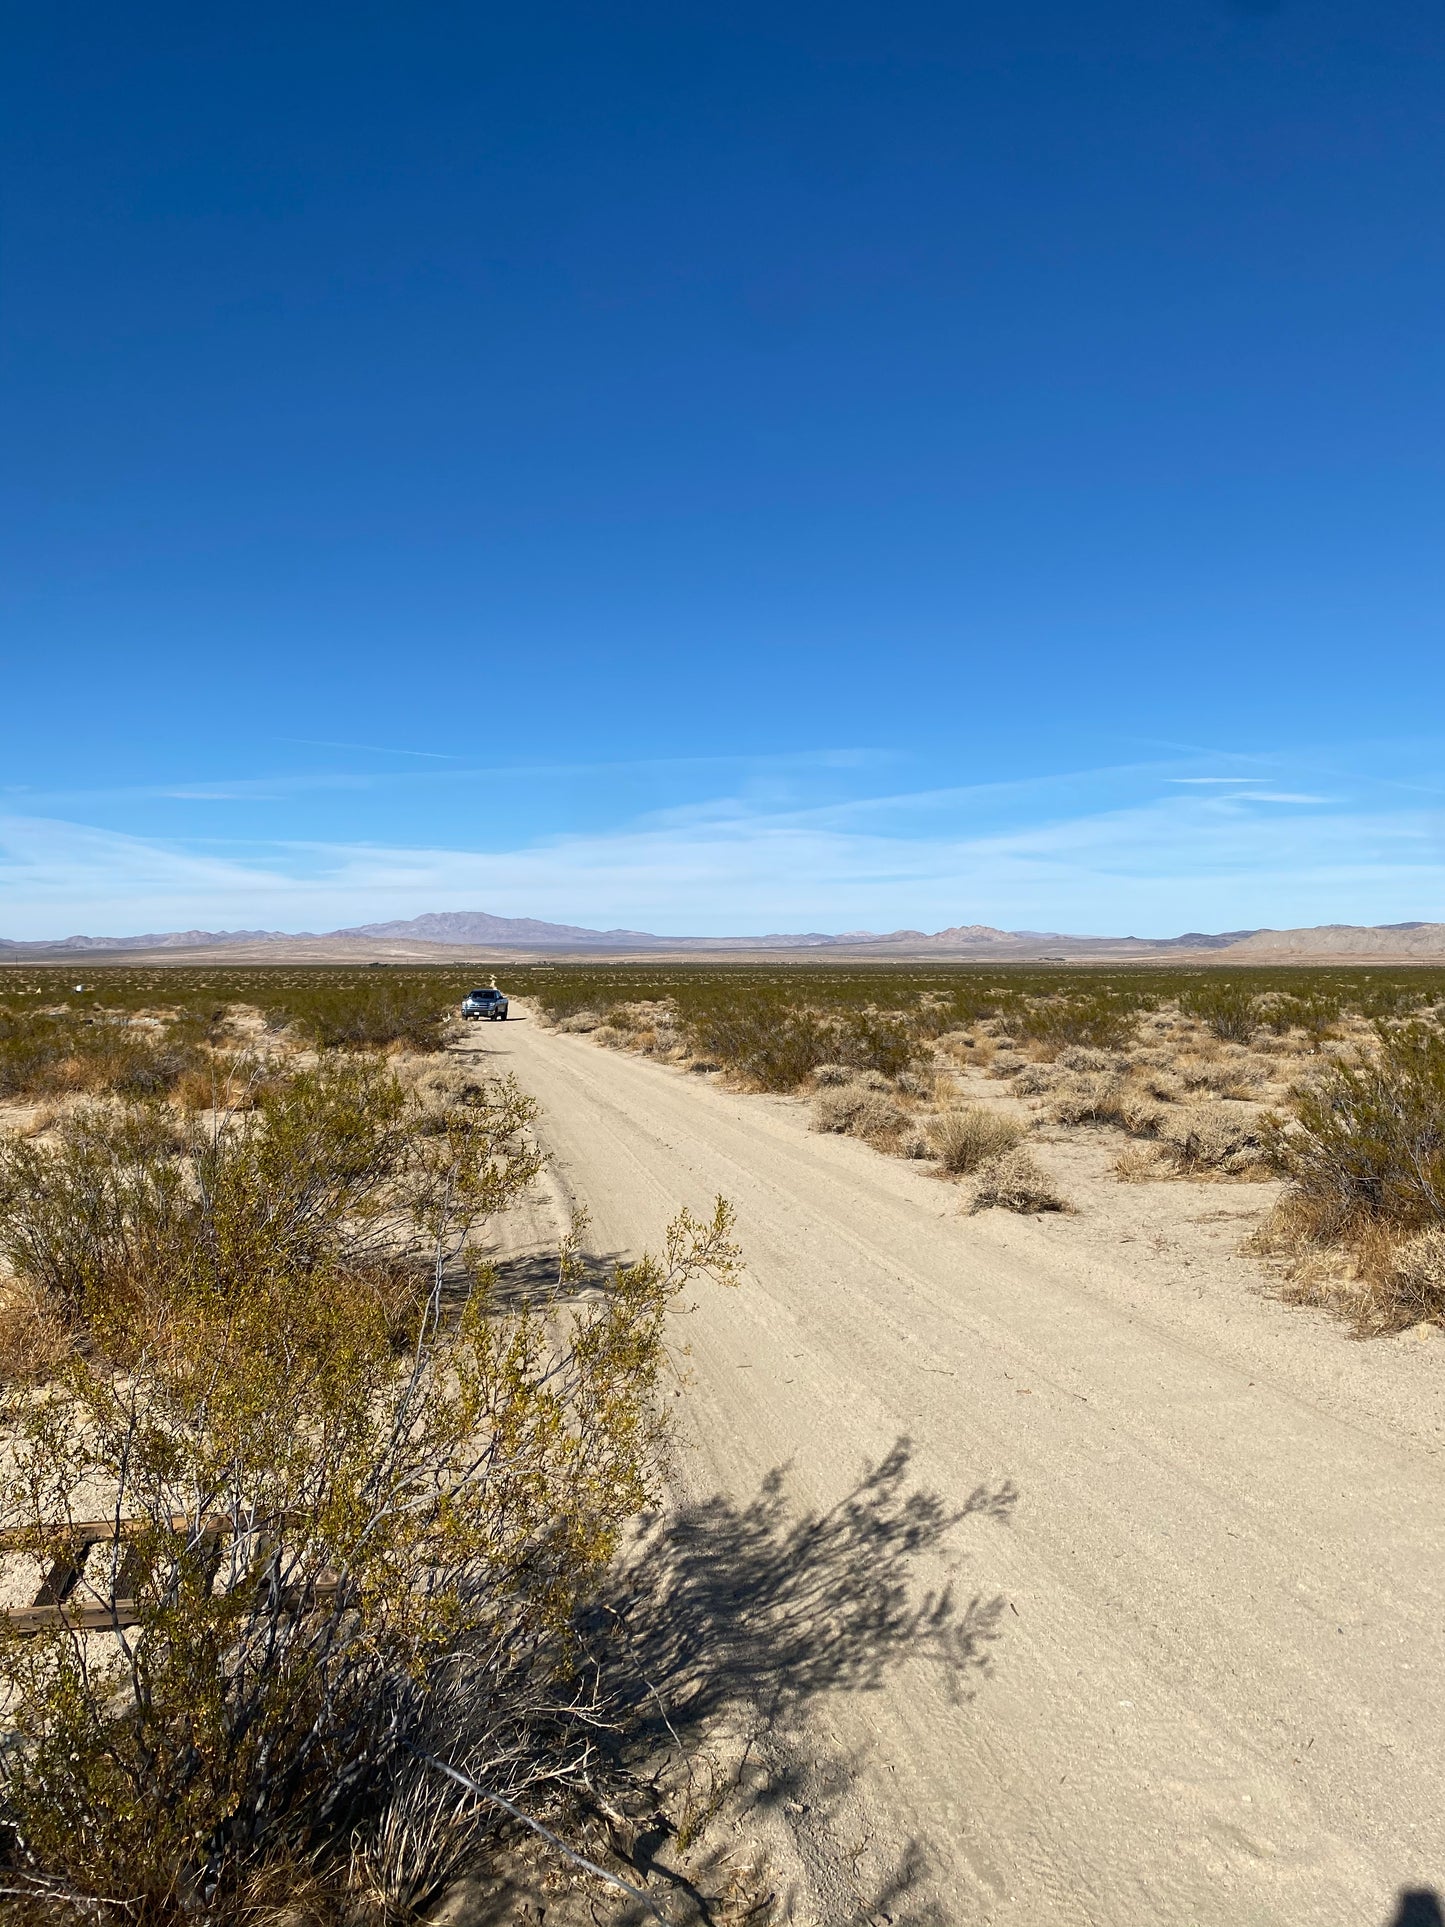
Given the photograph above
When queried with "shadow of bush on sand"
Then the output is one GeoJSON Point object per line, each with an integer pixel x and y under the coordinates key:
{"type": "Point", "coordinates": [728, 1621]}
{"type": "Point", "coordinates": [725, 1625]}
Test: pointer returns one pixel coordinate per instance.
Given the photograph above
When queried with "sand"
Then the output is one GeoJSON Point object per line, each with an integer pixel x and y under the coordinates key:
{"type": "Point", "coordinates": [1124, 1599]}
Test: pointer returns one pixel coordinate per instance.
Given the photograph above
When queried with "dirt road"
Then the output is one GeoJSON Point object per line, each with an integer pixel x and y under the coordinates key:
{"type": "Point", "coordinates": [1110, 1603]}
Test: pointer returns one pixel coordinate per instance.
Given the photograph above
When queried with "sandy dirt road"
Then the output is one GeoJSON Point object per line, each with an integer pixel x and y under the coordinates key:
{"type": "Point", "coordinates": [1107, 1605]}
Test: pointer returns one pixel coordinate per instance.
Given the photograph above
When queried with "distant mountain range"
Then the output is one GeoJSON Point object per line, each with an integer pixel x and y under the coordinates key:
{"type": "Point", "coordinates": [478, 929]}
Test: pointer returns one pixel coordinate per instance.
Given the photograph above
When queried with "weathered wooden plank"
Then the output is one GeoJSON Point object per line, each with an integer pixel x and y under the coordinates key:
{"type": "Point", "coordinates": [93, 1532]}
{"type": "Point", "coordinates": [112, 1617]}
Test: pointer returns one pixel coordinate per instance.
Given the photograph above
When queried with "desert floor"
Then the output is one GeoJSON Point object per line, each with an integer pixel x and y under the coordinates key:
{"type": "Point", "coordinates": [1062, 1573]}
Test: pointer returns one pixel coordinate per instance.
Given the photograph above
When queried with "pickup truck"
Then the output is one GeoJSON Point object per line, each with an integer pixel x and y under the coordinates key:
{"type": "Point", "coordinates": [485, 1003]}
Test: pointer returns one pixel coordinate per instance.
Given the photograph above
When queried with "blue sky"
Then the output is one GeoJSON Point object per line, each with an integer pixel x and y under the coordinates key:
{"type": "Point", "coordinates": [724, 469]}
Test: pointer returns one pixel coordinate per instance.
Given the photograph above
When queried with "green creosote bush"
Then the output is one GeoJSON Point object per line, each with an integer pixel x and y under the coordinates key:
{"type": "Point", "coordinates": [371, 1014]}
{"type": "Point", "coordinates": [1228, 1010]}
{"type": "Point", "coordinates": [361, 1542]}
{"type": "Point", "coordinates": [1366, 1144]}
{"type": "Point", "coordinates": [48, 1054]}
{"type": "Point", "coordinates": [309, 1177]}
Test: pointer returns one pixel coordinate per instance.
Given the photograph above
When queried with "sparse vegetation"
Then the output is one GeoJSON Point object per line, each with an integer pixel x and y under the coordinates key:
{"type": "Point", "coordinates": [368, 1502]}
{"type": "Point", "coordinates": [969, 1136]}
{"type": "Point", "coordinates": [1184, 1061]}
{"type": "Point", "coordinates": [53, 1054]}
{"type": "Point", "coordinates": [1363, 1153]}
{"type": "Point", "coordinates": [1016, 1181]}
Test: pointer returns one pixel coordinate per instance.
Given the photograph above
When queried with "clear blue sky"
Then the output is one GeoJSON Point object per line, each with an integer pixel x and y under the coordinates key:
{"type": "Point", "coordinates": [723, 467]}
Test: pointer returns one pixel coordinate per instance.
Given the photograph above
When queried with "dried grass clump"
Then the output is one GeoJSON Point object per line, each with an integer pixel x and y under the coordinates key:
{"type": "Point", "coordinates": [1083, 1057]}
{"type": "Point", "coordinates": [1016, 1181]}
{"type": "Point", "coordinates": [1138, 1164]}
{"type": "Point", "coordinates": [1034, 1080]}
{"type": "Point", "coordinates": [1412, 1290]}
{"type": "Point", "coordinates": [34, 1338]}
{"type": "Point", "coordinates": [1088, 1097]}
{"type": "Point", "coordinates": [1159, 1082]}
{"type": "Point", "coordinates": [915, 1083]}
{"type": "Point", "coordinates": [1208, 1138]}
{"type": "Point", "coordinates": [968, 1137]}
{"type": "Point", "coordinates": [855, 1111]}
{"type": "Point", "coordinates": [831, 1074]}
{"type": "Point", "coordinates": [580, 1021]}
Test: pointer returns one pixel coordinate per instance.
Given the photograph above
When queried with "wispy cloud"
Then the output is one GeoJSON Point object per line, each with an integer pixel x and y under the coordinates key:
{"type": "Point", "coordinates": [1165, 864]}
{"type": "Point", "coordinates": [370, 749]}
{"type": "Point", "coordinates": [284, 785]}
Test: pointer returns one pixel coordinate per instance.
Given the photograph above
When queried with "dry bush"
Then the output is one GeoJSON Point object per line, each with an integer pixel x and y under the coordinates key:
{"type": "Point", "coordinates": [1138, 1164]}
{"type": "Point", "coordinates": [1083, 1057]}
{"type": "Point", "coordinates": [965, 1138]}
{"type": "Point", "coordinates": [831, 1074]}
{"type": "Point", "coordinates": [1104, 1097]}
{"type": "Point", "coordinates": [580, 1021]}
{"type": "Point", "coordinates": [34, 1338]}
{"type": "Point", "coordinates": [1411, 1290]}
{"type": "Point", "coordinates": [1087, 1097]}
{"type": "Point", "coordinates": [1208, 1138]}
{"type": "Point", "coordinates": [1016, 1181]}
{"type": "Point", "coordinates": [856, 1111]}
{"type": "Point", "coordinates": [1035, 1079]}
{"type": "Point", "coordinates": [349, 1564]}
{"type": "Point", "coordinates": [225, 1082]}
{"type": "Point", "coordinates": [917, 1084]}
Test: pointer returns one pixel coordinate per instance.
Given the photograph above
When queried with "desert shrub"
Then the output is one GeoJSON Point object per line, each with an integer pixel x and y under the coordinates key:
{"type": "Point", "coordinates": [1034, 1080]}
{"type": "Point", "coordinates": [34, 1336]}
{"type": "Point", "coordinates": [1226, 1008]}
{"type": "Point", "coordinates": [347, 1564]}
{"type": "Point", "coordinates": [580, 1022]}
{"type": "Point", "coordinates": [915, 1083]}
{"type": "Point", "coordinates": [857, 1111]}
{"type": "Point", "coordinates": [128, 1201]}
{"type": "Point", "coordinates": [965, 1138]}
{"type": "Point", "coordinates": [879, 1118]}
{"type": "Point", "coordinates": [1104, 1018]}
{"type": "Point", "coordinates": [1081, 1057]}
{"type": "Point", "coordinates": [370, 1013]}
{"type": "Point", "coordinates": [1106, 1097]}
{"type": "Point", "coordinates": [1087, 1097]}
{"type": "Point", "coordinates": [47, 1053]}
{"type": "Point", "coordinates": [1366, 1144]}
{"type": "Point", "coordinates": [1412, 1289]}
{"type": "Point", "coordinates": [1016, 1181]}
{"type": "Point", "coordinates": [774, 1046]}
{"type": "Point", "coordinates": [1206, 1137]}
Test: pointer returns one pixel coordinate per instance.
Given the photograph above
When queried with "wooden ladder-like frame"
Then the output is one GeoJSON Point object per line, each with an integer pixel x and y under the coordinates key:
{"type": "Point", "coordinates": [73, 1543]}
